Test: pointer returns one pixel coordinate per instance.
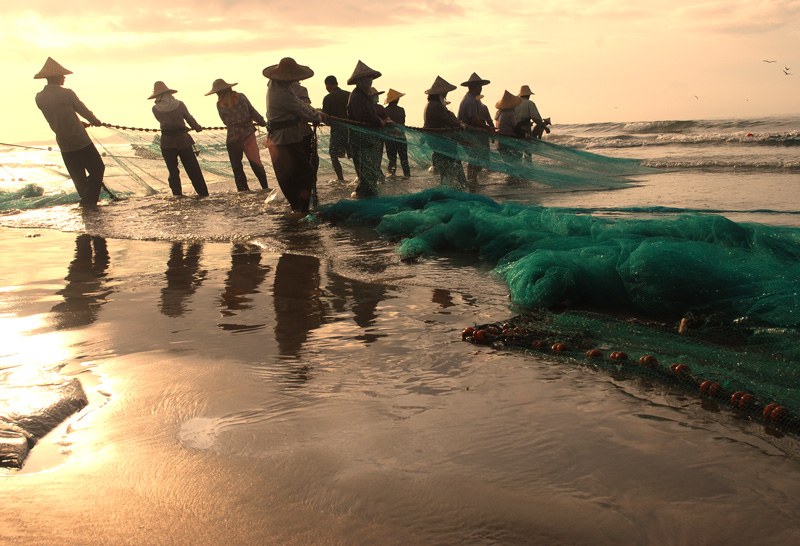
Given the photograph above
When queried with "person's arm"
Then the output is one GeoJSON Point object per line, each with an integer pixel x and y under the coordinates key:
{"type": "Point", "coordinates": [190, 120]}
{"type": "Point", "coordinates": [84, 112]}
{"type": "Point", "coordinates": [254, 115]}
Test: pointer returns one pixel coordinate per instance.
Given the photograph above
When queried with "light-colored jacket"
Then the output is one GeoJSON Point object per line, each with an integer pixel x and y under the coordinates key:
{"type": "Point", "coordinates": [284, 108]}
{"type": "Point", "coordinates": [527, 111]}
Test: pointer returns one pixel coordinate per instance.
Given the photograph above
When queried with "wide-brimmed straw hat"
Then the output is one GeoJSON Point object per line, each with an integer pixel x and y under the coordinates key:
{"type": "Point", "coordinates": [160, 88]}
{"type": "Point", "coordinates": [475, 80]}
{"type": "Point", "coordinates": [373, 91]}
{"type": "Point", "coordinates": [362, 71]}
{"type": "Point", "coordinates": [440, 86]}
{"type": "Point", "coordinates": [51, 69]}
{"type": "Point", "coordinates": [392, 96]}
{"type": "Point", "coordinates": [288, 70]}
{"type": "Point", "coordinates": [525, 91]}
{"type": "Point", "coordinates": [219, 85]}
{"type": "Point", "coordinates": [508, 101]}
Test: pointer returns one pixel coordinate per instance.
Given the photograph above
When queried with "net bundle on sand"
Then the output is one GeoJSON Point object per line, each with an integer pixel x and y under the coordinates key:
{"type": "Point", "coordinates": [696, 299]}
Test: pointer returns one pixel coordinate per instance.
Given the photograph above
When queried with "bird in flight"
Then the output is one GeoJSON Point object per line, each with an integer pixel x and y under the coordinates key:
{"type": "Point", "coordinates": [787, 72]}
{"type": "Point", "coordinates": [766, 61]}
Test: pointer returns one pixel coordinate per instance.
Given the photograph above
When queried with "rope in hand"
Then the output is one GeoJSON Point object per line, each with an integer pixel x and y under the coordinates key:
{"type": "Point", "coordinates": [124, 128]}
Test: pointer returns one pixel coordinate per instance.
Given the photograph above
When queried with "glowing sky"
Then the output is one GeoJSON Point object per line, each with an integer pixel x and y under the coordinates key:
{"type": "Point", "coordinates": [587, 61]}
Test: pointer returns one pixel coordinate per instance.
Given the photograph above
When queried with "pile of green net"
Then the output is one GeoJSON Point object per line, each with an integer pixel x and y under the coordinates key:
{"type": "Point", "coordinates": [624, 284]}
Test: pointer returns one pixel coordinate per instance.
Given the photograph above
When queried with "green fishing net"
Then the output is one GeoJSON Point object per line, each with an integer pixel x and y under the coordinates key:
{"type": "Point", "coordinates": [719, 297]}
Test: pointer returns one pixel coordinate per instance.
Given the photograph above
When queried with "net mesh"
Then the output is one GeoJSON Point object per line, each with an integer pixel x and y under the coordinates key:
{"type": "Point", "coordinates": [719, 297]}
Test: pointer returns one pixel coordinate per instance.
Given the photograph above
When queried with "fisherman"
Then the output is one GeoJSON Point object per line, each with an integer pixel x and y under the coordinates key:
{"type": "Point", "coordinates": [468, 115]}
{"type": "Point", "coordinates": [365, 148]}
{"type": "Point", "coordinates": [335, 105]}
{"type": "Point", "coordinates": [506, 121]}
{"type": "Point", "coordinates": [60, 107]}
{"type": "Point", "coordinates": [395, 148]}
{"type": "Point", "coordinates": [375, 95]}
{"type": "Point", "coordinates": [238, 116]}
{"type": "Point", "coordinates": [483, 111]}
{"type": "Point", "coordinates": [526, 113]}
{"type": "Point", "coordinates": [437, 116]}
{"type": "Point", "coordinates": [288, 124]}
{"type": "Point", "coordinates": [175, 140]}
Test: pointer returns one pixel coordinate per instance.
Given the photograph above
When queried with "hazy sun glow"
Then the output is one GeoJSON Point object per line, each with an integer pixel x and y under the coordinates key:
{"type": "Point", "coordinates": [587, 61]}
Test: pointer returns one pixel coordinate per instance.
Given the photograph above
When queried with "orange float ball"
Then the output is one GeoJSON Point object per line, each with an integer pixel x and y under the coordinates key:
{"type": "Point", "coordinates": [735, 397]}
{"type": "Point", "coordinates": [618, 355]}
{"type": "Point", "coordinates": [466, 333]}
{"type": "Point", "coordinates": [594, 353]}
{"type": "Point", "coordinates": [480, 336]}
{"type": "Point", "coordinates": [768, 410]}
{"type": "Point", "coordinates": [778, 413]}
{"type": "Point", "coordinates": [680, 369]}
{"type": "Point", "coordinates": [648, 360]}
{"type": "Point", "coordinates": [705, 386]}
{"type": "Point", "coordinates": [492, 330]}
{"type": "Point", "coordinates": [714, 389]}
{"type": "Point", "coordinates": [746, 400]}
{"type": "Point", "coordinates": [559, 348]}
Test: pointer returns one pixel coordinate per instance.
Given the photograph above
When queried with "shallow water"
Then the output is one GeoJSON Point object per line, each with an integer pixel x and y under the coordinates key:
{"type": "Point", "coordinates": [258, 379]}
{"type": "Point", "coordinates": [320, 393]}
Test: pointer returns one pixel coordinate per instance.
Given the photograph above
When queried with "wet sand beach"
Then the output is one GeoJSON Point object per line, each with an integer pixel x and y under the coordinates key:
{"type": "Point", "coordinates": [250, 394]}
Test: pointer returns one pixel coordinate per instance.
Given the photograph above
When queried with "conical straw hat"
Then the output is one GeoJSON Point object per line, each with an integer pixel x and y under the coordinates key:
{"type": "Point", "coordinates": [219, 85]}
{"type": "Point", "coordinates": [160, 88]}
{"type": "Point", "coordinates": [287, 70]}
{"type": "Point", "coordinates": [525, 91]}
{"type": "Point", "coordinates": [508, 101]}
{"type": "Point", "coordinates": [475, 80]}
{"type": "Point", "coordinates": [50, 69]}
{"type": "Point", "coordinates": [440, 86]}
{"type": "Point", "coordinates": [362, 71]}
{"type": "Point", "coordinates": [392, 96]}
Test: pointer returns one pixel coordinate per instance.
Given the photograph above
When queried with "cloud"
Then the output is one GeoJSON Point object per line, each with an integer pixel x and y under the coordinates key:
{"type": "Point", "coordinates": [741, 17]}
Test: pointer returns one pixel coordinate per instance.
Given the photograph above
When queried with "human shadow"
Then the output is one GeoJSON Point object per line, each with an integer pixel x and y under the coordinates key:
{"type": "Point", "coordinates": [83, 293]}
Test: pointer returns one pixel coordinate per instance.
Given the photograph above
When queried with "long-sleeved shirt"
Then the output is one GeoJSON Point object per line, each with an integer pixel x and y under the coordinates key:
{"type": "Point", "coordinates": [60, 106]}
{"type": "Point", "coordinates": [361, 108]}
{"type": "Point", "coordinates": [527, 110]}
{"type": "Point", "coordinates": [174, 133]}
{"type": "Point", "coordinates": [396, 113]}
{"type": "Point", "coordinates": [506, 121]}
{"type": "Point", "coordinates": [468, 109]}
{"type": "Point", "coordinates": [288, 115]}
{"type": "Point", "coordinates": [335, 103]}
{"type": "Point", "coordinates": [239, 118]}
{"type": "Point", "coordinates": [437, 116]}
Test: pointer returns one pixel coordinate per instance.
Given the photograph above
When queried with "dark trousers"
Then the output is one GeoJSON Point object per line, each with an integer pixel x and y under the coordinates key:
{"type": "Point", "coordinates": [249, 147]}
{"type": "Point", "coordinates": [449, 169]}
{"type": "Point", "coordinates": [295, 172]}
{"type": "Point", "coordinates": [190, 165]}
{"type": "Point", "coordinates": [78, 164]}
{"type": "Point", "coordinates": [395, 149]}
{"type": "Point", "coordinates": [366, 152]}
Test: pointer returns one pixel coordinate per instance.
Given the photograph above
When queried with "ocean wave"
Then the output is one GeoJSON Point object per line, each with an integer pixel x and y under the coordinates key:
{"type": "Point", "coordinates": [668, 139]}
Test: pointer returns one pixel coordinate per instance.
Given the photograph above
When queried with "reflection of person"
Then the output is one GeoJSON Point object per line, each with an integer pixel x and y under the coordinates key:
{"type": "Point", "coordinates": [335, 105]}
{"type": "Point", "coordinates": [183, 278]}
{"type": "Point", "coordinates": [82, 295]}
{"type": "Point", "coordinates": [244, 278]}
{"type": "Point", "coordinates": [437, 116]}
{"type": "Point", "coordinates": [60, 106]}
{"type": "Point", "coordinates": [298, 309]}
{"type": "Point", "coordinates": [175, 140]}
{"type": "Point", "coordinates": [238, 116]}
{"type": "Point", "coordinates": [395, 149]}
{"type": "Point", "coordinates": [468, 114]}
{"type": "Point", "coordinates": [288, 127]}
{"type": "Point", "coordinates": [364, 148]}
